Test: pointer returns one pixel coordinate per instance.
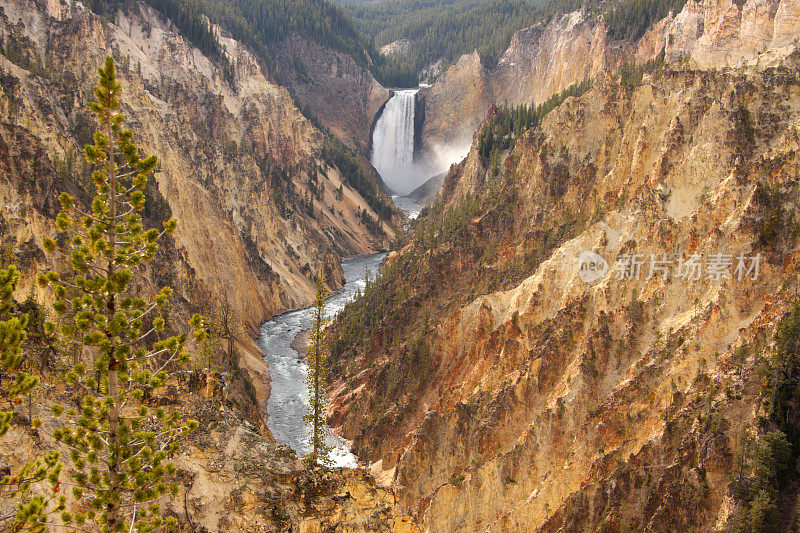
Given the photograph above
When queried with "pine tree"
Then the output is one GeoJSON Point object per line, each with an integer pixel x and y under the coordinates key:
{"type": "Point", "coordinates": [32, 511]}
{"type": "Point", "coordinates": [218, 352]}
{"type": "Point", "coordinates": [317, 380]}
{"type": "Point", "coordinates": [12, 336]}
{"type": "Point", "coordinates": [119, 447]}
{"type": "Point", "coordinates": [229, 328]}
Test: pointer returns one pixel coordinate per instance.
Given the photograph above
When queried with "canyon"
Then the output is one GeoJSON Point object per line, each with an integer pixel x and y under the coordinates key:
{"type": "Point", "coordinates": [263, 207]}
{"type": "Point", "coordinates": [241, 168]}
{"type": "Point", "coordinates": [482, 382]}
{"type": "Point", "coordinates": [495, 390]}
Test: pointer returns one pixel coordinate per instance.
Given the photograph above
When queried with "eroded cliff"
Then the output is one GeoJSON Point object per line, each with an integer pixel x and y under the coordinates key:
{"type": "Point", "coordinates": [264, 202]}
{"type": "Point", "coordinates": [496, 390]}
{"type": "Point", "coordinates": [341, 94]}
{"type": "Point", "coordinates": [261, 206]}
{"type": "Point", "coordinates": [546, 58]}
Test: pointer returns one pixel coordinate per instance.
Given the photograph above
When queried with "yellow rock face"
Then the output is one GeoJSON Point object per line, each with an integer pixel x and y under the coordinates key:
{"type": "Point", "coordinates": [546, 58]}
{"type": "Point", "coordinates": [555, 404]}
{"type": "Point", "coordinates": [235, 157]}
{"type": "Point", "coordinates": [258, 208]}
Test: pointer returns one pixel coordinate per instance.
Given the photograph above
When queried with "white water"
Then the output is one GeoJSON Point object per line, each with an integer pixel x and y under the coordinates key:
{"type": "Point", "coordinates": [393, 143]}
{"type": "Point", "coordinates": [288, 401]}
{"type": "Point", "coordinates": [393, 147]}
{"type": "Point", "coordinates": [408, 205]}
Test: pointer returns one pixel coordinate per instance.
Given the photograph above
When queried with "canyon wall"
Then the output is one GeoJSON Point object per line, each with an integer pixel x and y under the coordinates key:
{"type": "Point", "coordinates": [546, 58]}
{"type": "Point", "coordinates": [260, 209]}
{"type": "Point", "coordinates": [238, 160]}
{"type": "Point", "coordinates": [499, 391]}
{"type": "Point", "coordinates": [540, 61]}
{"type": "Point", "coordinates": [714, 35]}
{"type": "Point", "coordinates": [342, 95]}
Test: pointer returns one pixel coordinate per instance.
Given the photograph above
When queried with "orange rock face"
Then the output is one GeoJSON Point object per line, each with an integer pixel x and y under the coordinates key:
{"type": "Point", "coordinates": [530, 399]}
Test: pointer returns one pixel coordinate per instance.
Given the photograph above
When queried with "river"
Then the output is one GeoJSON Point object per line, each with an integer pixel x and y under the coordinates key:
{"type": "Point", "coordinates": [408, 205]}
{"type": "Point", "coordinates": [288, 401]}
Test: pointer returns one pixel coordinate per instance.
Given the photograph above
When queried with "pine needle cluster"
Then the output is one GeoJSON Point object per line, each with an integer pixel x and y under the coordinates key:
{"type": "Point", "coordinates": [12, 337]}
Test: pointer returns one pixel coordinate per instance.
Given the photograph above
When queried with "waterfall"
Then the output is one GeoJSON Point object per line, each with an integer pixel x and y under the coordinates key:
{"type": "Point", "coordinates": [393, 147]}
{"type": "Point", "coordinates": [393, 143]}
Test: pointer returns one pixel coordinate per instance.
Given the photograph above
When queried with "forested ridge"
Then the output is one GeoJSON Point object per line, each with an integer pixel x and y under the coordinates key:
{"type": "Point", "coordinates": [257, 24]}
{"type": "Point", "coordinates": [436, 29]}
{"type": "Point", "coordinates": [446, 29]}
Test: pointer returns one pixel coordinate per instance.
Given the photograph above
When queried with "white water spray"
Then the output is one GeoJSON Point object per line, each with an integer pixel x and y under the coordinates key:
{"type": "Point", "coordinates": [393, 147]}
{"type": "Point", "coordinates": [393, 143]}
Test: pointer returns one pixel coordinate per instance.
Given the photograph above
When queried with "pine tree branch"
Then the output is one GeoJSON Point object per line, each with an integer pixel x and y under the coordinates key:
{"type": "Point", "coordinates": [144, 313]}
{"type": "Point", "coordinates": [143, 336]}
{"type": "Point", "coordinates": [73, 527]}
{"type": "Point", "coordinates": [167, 362]}
{"type": "Point", "coordinates": [148, 357]}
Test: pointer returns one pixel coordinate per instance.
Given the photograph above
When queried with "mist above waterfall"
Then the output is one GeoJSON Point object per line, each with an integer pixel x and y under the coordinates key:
{"type": "Point", "coordinates": [393, 147]}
